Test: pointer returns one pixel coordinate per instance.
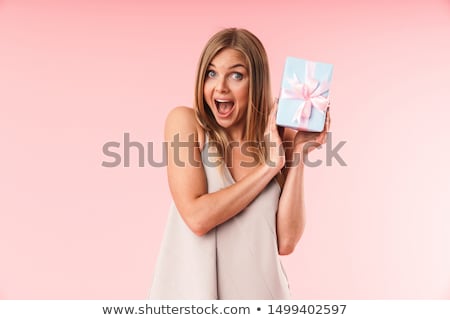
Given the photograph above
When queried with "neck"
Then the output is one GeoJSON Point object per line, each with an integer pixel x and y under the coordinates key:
{"type": "Point", "coordinates": [236, 134]}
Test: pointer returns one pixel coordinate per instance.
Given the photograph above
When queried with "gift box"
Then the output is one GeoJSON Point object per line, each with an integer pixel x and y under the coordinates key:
{"type": "Point", "coordinates": [303, 100]}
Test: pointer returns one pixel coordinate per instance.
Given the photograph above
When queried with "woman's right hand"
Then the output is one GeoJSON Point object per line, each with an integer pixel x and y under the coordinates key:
{"type": "Point", "coordinates": [275, 154]}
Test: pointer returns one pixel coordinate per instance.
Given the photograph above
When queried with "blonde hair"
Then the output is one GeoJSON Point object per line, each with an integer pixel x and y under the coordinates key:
{"type": "Point", "coordinates": [260, 97]}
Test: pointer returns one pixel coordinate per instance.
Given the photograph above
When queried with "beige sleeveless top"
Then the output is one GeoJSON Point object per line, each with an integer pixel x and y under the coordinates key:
{"type": "Point", "coordinates": [236, 260]}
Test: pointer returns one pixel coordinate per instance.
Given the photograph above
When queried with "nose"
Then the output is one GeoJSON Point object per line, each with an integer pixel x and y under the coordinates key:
{"type": "Point", "coordinates": [221, 85]}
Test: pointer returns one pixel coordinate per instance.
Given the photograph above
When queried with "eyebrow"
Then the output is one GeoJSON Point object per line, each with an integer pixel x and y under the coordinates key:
{"type": "Point", "coordinates": [233, 66]}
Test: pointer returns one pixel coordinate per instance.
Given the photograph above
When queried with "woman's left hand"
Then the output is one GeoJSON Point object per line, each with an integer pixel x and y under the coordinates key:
{"type": "Point", "coordinates": [307, 141]}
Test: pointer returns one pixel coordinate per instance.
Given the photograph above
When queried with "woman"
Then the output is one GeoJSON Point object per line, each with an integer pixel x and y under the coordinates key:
{"type": "Point", "coordinates": [237, 203]}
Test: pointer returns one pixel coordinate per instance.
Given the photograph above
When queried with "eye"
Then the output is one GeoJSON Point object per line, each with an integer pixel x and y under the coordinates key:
{"type": "Point", "coordinates": [210, 73]}
{"type": "Point", "coordinates": [237, 76]}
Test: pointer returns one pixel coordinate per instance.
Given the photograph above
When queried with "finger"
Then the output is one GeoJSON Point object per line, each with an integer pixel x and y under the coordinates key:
{"type": "Point", "coordinates": [327, 122]}
{"type": "Point", "coordinates": [273, 114]}
{"type": "Point", "coordinates": [320, 138]}
{"type": "Point", "coordinates": [274, 110]}
{"type": "Point", "coordinates": [324, 134]}
{"type": "Point", "coordinates": [312, 146]}
{"type": "Point", "coordinates": [323, 139]}
{"type": "Point", "coordinates": [270, 119]}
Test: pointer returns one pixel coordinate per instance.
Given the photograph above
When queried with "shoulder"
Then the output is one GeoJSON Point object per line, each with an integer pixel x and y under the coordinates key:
{"type": "Point", "coordinates": [181, 116]}
{"type": "Point", "coordinates": [181, 120]}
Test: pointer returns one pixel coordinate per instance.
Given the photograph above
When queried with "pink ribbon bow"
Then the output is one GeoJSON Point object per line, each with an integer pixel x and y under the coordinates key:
{"type": "Point", "coordinates": [311, 91]}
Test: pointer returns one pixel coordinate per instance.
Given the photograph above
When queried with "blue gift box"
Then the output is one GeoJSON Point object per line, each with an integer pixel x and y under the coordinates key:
{"type": "Point", "coordinates": [304, 94]}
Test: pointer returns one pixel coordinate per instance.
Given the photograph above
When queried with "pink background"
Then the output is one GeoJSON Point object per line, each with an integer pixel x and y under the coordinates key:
{"type": "Point", "coordinates": [77, 74]}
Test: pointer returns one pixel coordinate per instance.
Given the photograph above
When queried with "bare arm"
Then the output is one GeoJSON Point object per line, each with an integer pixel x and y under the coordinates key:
{"type": "Point", "coordinates": [291, 207]}
{"type": "Point", "coordinates": [201, 210]}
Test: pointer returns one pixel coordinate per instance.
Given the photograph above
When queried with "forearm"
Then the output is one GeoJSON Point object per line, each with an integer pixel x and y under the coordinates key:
{"type": "Point", "coordinates": [291, 209]}
{"type": "Point", "coordinates": [211, 209]}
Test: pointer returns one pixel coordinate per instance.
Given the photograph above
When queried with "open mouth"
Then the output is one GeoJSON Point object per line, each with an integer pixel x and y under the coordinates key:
{"type": "Point", "coordinates": [224, 107]}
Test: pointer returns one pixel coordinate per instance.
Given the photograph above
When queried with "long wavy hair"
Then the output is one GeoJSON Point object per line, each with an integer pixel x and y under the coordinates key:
{"type": "Point", "coordinates": [260, 97]}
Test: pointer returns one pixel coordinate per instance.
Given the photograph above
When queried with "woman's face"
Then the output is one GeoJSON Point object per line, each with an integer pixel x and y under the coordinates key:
{"type": "Point", "coordinates": [226, 89]}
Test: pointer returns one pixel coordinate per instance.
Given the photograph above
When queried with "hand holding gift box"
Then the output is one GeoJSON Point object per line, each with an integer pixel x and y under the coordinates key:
{"type": "Point", "coordinates": [303, 99]}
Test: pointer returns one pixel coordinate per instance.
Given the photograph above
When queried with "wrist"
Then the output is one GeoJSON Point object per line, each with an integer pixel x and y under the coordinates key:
{"type": "Point", "coordinates": [271, 168]}
{"type": "Point", "coordinates": [300, 150]}
{"type": "Point", "coordinates": [297, 160]}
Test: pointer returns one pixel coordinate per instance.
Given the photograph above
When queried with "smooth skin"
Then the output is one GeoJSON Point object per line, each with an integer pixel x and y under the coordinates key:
{"type": "Point", "coordinates": [228, 79]}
